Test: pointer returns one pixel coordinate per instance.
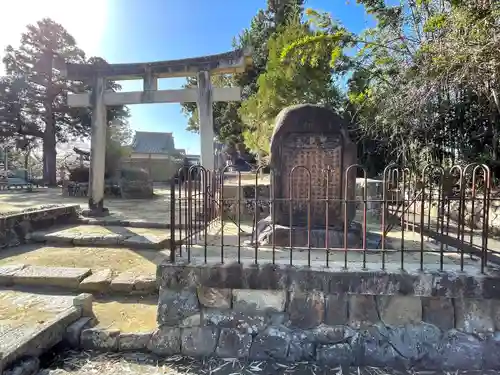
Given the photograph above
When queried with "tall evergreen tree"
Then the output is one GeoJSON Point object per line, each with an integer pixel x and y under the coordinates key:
{"type": "Point", "coordinates": [284, 84]}
{"type": "Point", "coordinates": [35, 93]}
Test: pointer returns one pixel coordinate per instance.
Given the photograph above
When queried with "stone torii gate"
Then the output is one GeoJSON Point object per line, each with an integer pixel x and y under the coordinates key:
{"type": "Point", "coordinates": [204, 95]}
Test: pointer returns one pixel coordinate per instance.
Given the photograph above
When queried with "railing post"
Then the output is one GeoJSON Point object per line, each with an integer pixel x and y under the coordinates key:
{"type": "Point", "coordinates": [172, 221]}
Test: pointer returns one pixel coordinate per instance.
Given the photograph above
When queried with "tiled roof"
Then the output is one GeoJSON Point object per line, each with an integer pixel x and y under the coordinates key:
{"type": "Point", "coordinates": [153, 143]}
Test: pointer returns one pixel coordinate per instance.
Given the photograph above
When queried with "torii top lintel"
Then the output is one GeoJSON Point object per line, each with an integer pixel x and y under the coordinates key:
{"type": "Point", "coordinates": [225, 63]}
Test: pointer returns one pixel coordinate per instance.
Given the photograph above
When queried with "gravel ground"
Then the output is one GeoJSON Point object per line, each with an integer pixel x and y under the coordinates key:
{"type": "Point", "coordinates": [88, 363]}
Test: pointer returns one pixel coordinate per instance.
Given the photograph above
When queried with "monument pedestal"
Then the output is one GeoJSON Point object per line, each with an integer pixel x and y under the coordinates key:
{"type": "Point", "coordinates": [283, 236]}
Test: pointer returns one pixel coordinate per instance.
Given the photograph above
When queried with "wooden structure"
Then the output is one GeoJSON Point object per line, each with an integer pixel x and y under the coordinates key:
{"type": "Point", "coordinates": [204, 95]}
{"type": "Point", "coordinates": [309, 140]}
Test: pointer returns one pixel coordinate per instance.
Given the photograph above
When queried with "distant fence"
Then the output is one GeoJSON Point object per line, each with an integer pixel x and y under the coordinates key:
{"type": "Point", "coordinates": [406, 216]}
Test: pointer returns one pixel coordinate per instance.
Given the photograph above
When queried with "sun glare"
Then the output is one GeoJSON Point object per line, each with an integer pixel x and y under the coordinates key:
{"type": "Point", "coordinates": [84, 19]}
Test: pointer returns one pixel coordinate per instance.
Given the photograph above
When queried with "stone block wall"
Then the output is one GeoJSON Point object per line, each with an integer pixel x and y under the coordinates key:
{"type": "Point", "coordinates": [429, 321]}
{"type": "Point", "coordinates": [15, 227]}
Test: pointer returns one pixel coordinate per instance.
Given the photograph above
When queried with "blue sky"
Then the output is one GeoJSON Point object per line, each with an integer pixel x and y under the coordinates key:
{"type": "Point", "coordinates": [148, 30]}
{"type": "Point", "coordinates": [151, 30]}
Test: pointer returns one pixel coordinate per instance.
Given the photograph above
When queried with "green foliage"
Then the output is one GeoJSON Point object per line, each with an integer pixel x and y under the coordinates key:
{"type": "Point", "coordinates": [229, 127]}
{"type": "Point", "coordinates": [285, 83]}
{"type": "Point", "coordinates": [422, 84]}
{"type": "Point", "coordinates": [435, 23]}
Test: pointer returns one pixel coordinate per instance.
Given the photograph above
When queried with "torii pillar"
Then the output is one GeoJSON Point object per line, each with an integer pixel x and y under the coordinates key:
{"type": "Point", "coordinates": [98, 150]}
{"type": "Point", "coordinates": [225, 63]}
{"type": "Point", "coordinates": [206, 121]}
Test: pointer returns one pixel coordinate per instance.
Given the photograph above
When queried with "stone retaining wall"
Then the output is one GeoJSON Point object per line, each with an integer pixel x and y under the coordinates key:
{"type": "Point", "coordinates": [423, 320]}
{"type": "Point", "coordinates": [15, 227]}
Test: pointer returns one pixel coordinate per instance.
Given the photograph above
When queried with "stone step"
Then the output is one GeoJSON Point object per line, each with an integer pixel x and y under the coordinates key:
{"type": "Point", "coordinates": [32, 323]}
{"type": "Point", "coordinates": [27, 275]}
{"type": "Point", "coordinates": [72, 279]}
{"type": "Point", "coordinates": [98, 270]}
{"type": "Point", "coordinates": [100, 235]}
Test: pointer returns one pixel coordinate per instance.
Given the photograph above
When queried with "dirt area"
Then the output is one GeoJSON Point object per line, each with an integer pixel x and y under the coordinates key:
{"type": "Point", "coordinates": [394, 238]}
{"type": "Point", "coordinates": [153, 210]}
{"type": "Point", "coordinates": [128, 314]}
{"type": "Point", "coordinates": [83, 363]}
{"type": "Point", "coordinates": [247, 179]}
{"type": "Point", "coordinates": [95, 258]}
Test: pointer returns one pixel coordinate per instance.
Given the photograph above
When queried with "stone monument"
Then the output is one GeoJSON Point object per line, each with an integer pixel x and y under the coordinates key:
{"type": "Point", "coordinates": [309, 142]}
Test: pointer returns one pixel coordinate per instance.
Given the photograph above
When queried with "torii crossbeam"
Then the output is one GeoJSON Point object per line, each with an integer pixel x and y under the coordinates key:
{"type": "Point", "coordinates": [204, 95]}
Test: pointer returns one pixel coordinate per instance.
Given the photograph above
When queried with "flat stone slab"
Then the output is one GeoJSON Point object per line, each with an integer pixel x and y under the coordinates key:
{"type": "Point", "coordinates": [7, 273]}
{"type": "Point", "coordinates": [32, 323]}
{"type": "Point", "coordinates": [50, 276]}
{"type": "Point", "coordinates": [99, 235]}
{"type": "Point", "coordinates": [133, 280]}
{"type": "Point", "coordinates": [97, 282]}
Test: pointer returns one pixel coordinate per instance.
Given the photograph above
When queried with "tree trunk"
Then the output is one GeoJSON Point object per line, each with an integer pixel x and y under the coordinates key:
{"type": "Point", "coordinates": [49, 159]}
{"type": "Point", "coordinates": [49, 134]}
{"type": "Point", "coordinates": [494, 126]}
{"type": "Point", "coordinates": [49, 153]}
{"type": "Point", "coordinates": [27, 158]}
{"type": "Point", "coordinates": [26, 164]}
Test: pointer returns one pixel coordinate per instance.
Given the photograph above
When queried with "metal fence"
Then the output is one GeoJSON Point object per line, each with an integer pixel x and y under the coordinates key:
{"type": "Point", "coordinates": [438, 217]}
